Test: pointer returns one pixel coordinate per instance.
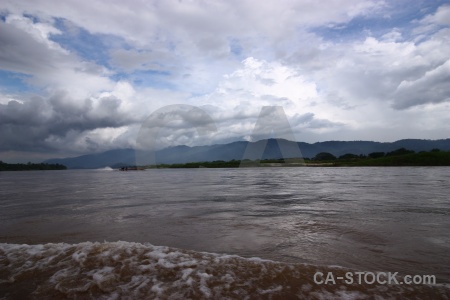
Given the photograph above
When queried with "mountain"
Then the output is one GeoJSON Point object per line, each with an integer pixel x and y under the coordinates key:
{"type": "Point", "coordinates": [235, 150]}
{"type": "Point", "coordinates": [112, 158]}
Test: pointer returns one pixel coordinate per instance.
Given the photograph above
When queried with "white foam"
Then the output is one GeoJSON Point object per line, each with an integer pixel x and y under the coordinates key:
{"type": "Point", "coordinates": [132, 270]}
{"type": "Point", "coordinates": [271, 290]}
{"type": "Point", "coordinates": [105, 169]}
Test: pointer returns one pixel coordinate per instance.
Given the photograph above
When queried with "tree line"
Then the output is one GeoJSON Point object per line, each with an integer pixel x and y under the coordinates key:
{"type": "Point", "coordinates": [399, 157]}
{"type": "Point", "coordinates": [30, 166]}
{"type": "Point", "coordinates": [326, 156]}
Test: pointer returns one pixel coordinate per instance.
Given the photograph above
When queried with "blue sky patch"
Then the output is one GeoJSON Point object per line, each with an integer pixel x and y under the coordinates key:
{"type": "Point", "coordinates": [32, 18]}
{"type": "Point", "coordinates": [403, 15]}
{"type": "Point", "coordinates": [14, 82]}
{"type": "Point", "coordinates": [235, 48]}
{"type": "Point", "coordinates": [155, 79]}
{"type": "Point", "coordinates": [91, 47]}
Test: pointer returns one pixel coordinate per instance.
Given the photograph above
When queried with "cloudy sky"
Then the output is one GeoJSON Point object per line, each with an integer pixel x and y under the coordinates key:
{"type": "Point", "coordinates": [79, 77]}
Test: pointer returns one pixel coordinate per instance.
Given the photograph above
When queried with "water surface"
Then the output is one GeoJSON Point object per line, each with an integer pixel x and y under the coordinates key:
{"type": "Point", "coordinates": [370, 219]}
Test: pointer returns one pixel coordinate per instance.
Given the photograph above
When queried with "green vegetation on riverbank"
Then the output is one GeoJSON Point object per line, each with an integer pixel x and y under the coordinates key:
{"type": "Point", "coordinates": [30, 167]}
{"type": "Point", "coordinates": [399, 157]}
{"type": "Point", "coordinates": [438, 158]}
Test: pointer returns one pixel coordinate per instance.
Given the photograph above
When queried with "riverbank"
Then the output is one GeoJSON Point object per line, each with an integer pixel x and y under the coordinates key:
{"type": "Point", "coordinates": [30, 167]}
{"type": "Point", "coordinates": [432, 158]}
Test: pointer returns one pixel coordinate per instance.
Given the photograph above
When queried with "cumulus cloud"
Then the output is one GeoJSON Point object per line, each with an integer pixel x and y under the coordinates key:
{"type": "Point", "coordinates": [45, 123]}
{"type": "Point", "coordinates": [432, 87]}
{"type": "Point", "coordinates": [434, 21]}
{"type": "Point", "coordinates": [188, 36]}
{"type": "Point", "coordinates": [372, 70]}
{"type": "Point", "coordinates": [96, 69]}
{"type": "Point", "coordinates": [25, 48]}
{"type": "Point", "coordinates": [165, 19]}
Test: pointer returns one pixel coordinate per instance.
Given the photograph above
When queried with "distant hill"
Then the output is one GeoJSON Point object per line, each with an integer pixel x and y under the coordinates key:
{"type": "Point", "coordinates": [235, 150]}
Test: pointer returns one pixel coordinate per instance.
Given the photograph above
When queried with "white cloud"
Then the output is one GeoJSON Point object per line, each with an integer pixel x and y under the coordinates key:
{"type": "Point", "coordinates": [432, 87]}
{"type": "Point", "coordinates": [38, 31]}
{"type": "Point", "coordinates": [25, 50]}
{"type": "Point", "coordinates": [441, 17]}
{"type": "Point", "coordinates": [259, 78]}
{"type": "Point", "coordinates": [228, 57]}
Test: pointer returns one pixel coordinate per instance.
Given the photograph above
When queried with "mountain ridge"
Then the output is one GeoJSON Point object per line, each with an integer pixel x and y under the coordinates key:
{"type": "Point", "coordinates": [235, 150]}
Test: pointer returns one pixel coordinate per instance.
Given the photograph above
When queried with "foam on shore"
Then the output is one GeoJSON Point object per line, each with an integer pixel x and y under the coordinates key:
{"type": "Point", "coordinates": [113, 270]}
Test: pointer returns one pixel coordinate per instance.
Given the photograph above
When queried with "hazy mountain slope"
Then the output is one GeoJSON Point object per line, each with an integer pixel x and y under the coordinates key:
{"type": "Point", "coordinates": [235, 150]}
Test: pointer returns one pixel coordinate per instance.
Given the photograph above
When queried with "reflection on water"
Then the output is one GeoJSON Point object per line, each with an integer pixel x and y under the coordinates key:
{"type": "Point", "coordinates": [385, 219]}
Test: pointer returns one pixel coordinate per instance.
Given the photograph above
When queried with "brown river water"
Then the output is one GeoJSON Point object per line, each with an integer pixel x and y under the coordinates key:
{"type": "Point", "coordinates": [224, 233]}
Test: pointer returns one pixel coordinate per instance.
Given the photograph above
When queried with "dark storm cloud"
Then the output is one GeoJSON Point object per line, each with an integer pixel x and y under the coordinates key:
{"type": "Point", "coordinates": [30, 124]}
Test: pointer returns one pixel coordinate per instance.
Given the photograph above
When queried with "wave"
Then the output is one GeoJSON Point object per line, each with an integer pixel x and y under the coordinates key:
{"type": "Point", "coordinates": [105, 169]}
{"type": "Point", "coordinates": [111, 270]}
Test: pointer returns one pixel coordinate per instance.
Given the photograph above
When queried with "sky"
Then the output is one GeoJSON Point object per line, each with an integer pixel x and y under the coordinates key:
{"type": "Point", "coordinates": [79, 77]}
